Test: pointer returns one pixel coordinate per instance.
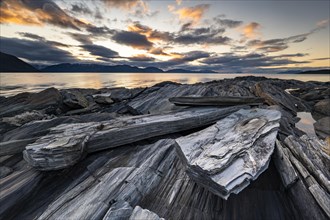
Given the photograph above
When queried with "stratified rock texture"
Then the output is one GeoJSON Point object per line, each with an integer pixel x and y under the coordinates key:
{"type": "Point", "coordinates": [227, 156]}
{"type": "Point", "coordinates": [111, 174]}
{"type": "Point", "coordinates": [139, 213]}
{"type": "Point", "coordinates": [67, 143]}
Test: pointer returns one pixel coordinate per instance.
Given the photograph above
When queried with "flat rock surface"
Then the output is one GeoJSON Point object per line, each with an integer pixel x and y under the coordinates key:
{"type": "Point", "coordinates": [228, 155]}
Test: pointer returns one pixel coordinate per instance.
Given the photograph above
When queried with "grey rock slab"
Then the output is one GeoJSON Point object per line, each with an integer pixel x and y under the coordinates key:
{"type": "Point", "coordinates": [74, 99]}
{"type": "Point", "coordinates": [216, 100]}
{"type": "Point", "coordinates": [94, 197]}
{"type": "Point", "coordinates": [139, 214]}
{"type": "Point", "coordinates": [66, 144]}
{"type": "Point", "coordinates": [225, 157]}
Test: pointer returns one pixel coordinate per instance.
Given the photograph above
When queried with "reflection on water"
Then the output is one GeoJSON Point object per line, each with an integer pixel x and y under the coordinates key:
{"type": "Point", "coordinates": [13, 83]}
{"type": "Point", "coordinates": [306, 123]}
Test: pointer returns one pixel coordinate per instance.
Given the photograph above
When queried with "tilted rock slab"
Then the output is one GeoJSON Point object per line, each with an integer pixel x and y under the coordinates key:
{"type": "Point", "coordinates": [227, 156]}
{"type": "Point", "coordinates": [66, 144]}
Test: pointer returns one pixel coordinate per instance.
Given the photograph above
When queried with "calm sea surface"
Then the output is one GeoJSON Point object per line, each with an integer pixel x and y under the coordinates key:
{"type": "Point", "coordinates": [14, 83]}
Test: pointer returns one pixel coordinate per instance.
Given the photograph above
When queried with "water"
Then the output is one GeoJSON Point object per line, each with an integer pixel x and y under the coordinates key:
{"type": "Point", "coordinates": [14, 83]}
{"type": "Point", "coordinates": [306, 123]}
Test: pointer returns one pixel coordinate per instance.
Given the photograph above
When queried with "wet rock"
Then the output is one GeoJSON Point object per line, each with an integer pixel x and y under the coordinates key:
{"type": "Point", "coordinates": [322, 127]}
{"type": "Point", "coordinates": [227, 156]}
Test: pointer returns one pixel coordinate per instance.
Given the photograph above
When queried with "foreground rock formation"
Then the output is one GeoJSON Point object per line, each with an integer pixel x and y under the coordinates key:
{"type": "Point", "coordinates": [225, 157]}
{"type": "Point", "coordinates": [132, 154]}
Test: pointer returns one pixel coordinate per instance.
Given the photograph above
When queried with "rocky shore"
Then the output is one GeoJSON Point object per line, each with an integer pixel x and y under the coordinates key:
{"type": "Point", "coordinates": [225, 149]}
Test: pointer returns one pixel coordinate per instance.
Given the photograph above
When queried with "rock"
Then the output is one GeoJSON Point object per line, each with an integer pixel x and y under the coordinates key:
{"type": "Point", "coordinates": [276, 96]}
{"type": "Point", "coordinates": [156, 99]}
{"type": "Point", "coordinates": [5, 171]}
{"type": "Point", "coordinates": [104, 98]}
{"type": "Point", "coordinates": [323, 107]}
{"type": "Point", "coordinates": [225, 157]}
{"type": "Point", "coordinates": [74, 99]}
{"type": "Point", "coordinates": [216, 101]}
{"type": "Point", "coordinates": [67, 143]}
{"type": "Point", "coordinates": [139, 213]}
{"type": "Point", "coordinates": [48, 100]}
{"type": "Point", "coordinates": [322, 127]}
{"type": "Point", "coordinates": [93, 197]}
{"type": "Point", "coordinates": [25, 117]}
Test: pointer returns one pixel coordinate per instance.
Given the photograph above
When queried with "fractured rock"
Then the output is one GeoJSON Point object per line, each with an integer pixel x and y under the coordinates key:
{"type": "Point", "coordinates": [74, 99]}
{"type": "Point", "coordinates": [66, 143]}
{"type": "Point", "coordinates": [227, 156]}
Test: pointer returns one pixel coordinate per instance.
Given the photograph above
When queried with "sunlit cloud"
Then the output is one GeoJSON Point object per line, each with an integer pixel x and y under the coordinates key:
{"type": "Point", "coordinates": [251, 30]}
{"type": "Point", "coordinates": [37, 13]}
{"type": "Point", "coordinates": [123, 4]}
{"type": "Point", "coordinates": [193, 14]}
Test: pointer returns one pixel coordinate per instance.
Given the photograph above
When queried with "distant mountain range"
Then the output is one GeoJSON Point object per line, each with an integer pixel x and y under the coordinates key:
{"type": "Point", "coordinates": [9, 63]}
{"type": "Point", "coordinates": [77, 67]}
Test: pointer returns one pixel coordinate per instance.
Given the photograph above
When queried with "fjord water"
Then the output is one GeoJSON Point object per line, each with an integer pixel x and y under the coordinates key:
{"type": "Point", "coordinates": [14, 83]}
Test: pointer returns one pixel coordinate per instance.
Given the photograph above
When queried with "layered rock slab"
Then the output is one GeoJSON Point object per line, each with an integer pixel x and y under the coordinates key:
{"type": "Point", "coordinates": [227, 156]}
{"type": "Point", "coordinates": [66, 144]}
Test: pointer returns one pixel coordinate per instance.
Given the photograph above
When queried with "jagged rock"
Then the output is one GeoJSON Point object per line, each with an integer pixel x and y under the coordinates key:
{"type": "Point", "coordinates": [216, 100]}
{"type": "Point", "coordinates": [95, 195]}
{"type": "Point", "coordinates": [276, 96]}
{"type": "Point", "coordinates": [21, 119]}
{"type": "Point", "coordinates": [139, 213]}
{"type": "Point", "coordinates": [48, 100]}
{"type": "Point", "coordinates": [155, 99]}
{"type": "Point", "coordinates": [67, 143]}
{"type": "Point", "coordinates": [322, 127]}
{"type": "Point", "coordinates": [225, 157]}
{"type": "Point", "coordinates": [323, 107]}
{"type": "Point", "coordinates": [74, 99]}
{"type": "Point", "coordinates": [104, 98]}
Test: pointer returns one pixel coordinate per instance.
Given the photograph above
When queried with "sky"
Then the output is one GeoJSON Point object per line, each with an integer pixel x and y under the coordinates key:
{"type": "Point", "coordinates": [222, 36]}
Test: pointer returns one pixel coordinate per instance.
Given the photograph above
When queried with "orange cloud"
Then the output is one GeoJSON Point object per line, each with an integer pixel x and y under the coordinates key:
{"type": "Point", "coordinates": [36, 13]}
{"type": "Point", "coordinates": [126, 4]}
{"type": "Point", "coordinates": [251, 30]}
{"type": "Point", "coordinates": [192, 14]}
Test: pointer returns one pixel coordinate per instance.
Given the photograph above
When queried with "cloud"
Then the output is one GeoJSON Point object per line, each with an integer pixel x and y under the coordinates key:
{"type": "Point", "coordinates": [100, 51]}
{"type": "Point", "coordinates": [82, 38]}
{"type": "Point", "coordinates": [35, 51]}
{"type": "Point", "coordinates": [41, 39]}
{"type": "Point", "coordinates": [124, 4]}
{"type": "Point", "coordinates": [193, 14]}
{"type": "Point", "coordinates": [251, 30]}
{"type": "Point", "coordinates": [236, 62]}
{"type": "Point", "coordinates": [29, 12]}
{"type": "Point", "coordinates": [141, 58]}
{"type": "Point", "coordinates": [132, 39]}
{"type": "Point", "coordinates": [81, 9]}
{"type": "Point", "coordinates": [276, 45]}
{"type": "Point", "coordinates": [186, 36]}
{"type": "Point", "coordinates": [227, 23]}
{"type": "Point", "coordinates": [322, 58]}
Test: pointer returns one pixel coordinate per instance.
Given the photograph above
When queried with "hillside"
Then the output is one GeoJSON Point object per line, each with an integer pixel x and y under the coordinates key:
{"type": "Point", "coordinates": [9, 63]}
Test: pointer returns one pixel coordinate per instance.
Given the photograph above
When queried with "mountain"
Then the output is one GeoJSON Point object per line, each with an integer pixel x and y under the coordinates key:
{"type": "Point", "coordinates": [76, 67]}
{"type": "Point", "coordinates": [325, 71]}
{"type": "Point", "coordinates": [9, 63]}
